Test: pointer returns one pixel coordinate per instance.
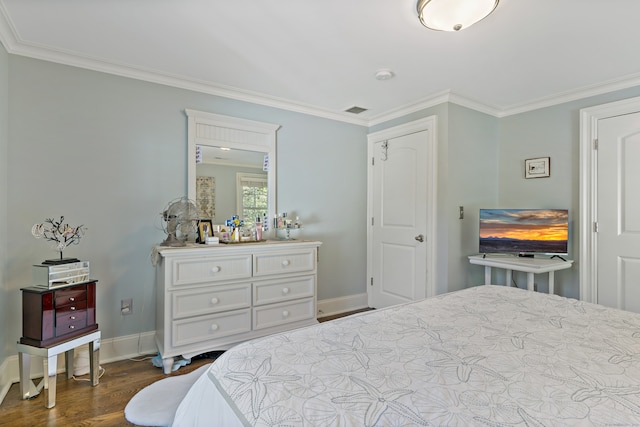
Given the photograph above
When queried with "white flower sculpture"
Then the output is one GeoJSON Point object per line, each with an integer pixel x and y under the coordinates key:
{"type": "Point", "coordinates": [56, 231]}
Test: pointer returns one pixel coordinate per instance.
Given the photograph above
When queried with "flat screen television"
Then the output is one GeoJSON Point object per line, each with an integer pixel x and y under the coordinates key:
{"type": "Point", "coordinates": [524, 231]}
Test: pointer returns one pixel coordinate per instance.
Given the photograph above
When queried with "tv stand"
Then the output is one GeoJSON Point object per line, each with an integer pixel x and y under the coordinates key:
{"type": "Point", "coordinates": [528, 265]}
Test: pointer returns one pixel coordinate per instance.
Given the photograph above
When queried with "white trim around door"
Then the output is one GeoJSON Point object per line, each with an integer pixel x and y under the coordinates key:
{"type": "Point", "coordinates": [588, 184]}
{"type": "Point", "coordinates": [429, 124]}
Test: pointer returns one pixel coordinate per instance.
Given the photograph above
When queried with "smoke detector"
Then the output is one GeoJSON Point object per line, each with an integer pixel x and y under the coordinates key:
{"type": "Point", "coordinates": [384, 74]}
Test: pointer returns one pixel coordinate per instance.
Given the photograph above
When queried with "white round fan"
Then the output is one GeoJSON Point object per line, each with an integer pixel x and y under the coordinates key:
{"type": "Point", "coordinates": [180, 220]}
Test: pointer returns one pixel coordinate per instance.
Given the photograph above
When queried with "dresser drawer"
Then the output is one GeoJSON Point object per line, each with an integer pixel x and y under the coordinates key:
{"type": "Point", "coordinates": [210, 300]}
{"type": "Point", "coordinates": [70, 295]}
{"type": "Point", "coordinates": [188, 271]}
{"type": "Point", "coordinates": [279, 314]}
{"type": "Point", "coordinates": [271, 291]}
{"type": "Point", "coordinates": [284, 262]}
{"type": "Point", "coordinates": [195, 330]}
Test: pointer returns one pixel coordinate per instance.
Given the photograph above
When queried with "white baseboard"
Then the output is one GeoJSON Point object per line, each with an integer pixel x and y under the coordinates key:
{"type": "Point", "coordinates": [333, 306]}
{"type": "Point", "coordinates": [5, 381]}
{"type": "Point", "coordinates": [134, 346]}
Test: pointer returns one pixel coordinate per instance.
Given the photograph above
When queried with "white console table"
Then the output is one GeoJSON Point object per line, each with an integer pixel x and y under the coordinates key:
{"type": "Point", "coordinates": [530, 266]}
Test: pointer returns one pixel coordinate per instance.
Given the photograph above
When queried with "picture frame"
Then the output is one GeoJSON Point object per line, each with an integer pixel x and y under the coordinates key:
{"type": "Point", "coordinates": [539, 167]}
{"type": "Point", "coordinates": [205, 229]}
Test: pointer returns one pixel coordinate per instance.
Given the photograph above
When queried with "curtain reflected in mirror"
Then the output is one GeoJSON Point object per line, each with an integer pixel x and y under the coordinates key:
{"type": "Point", "coordinates": [206, 196]}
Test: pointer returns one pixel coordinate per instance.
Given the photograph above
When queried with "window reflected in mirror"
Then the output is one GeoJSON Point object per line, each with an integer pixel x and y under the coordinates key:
{"type": "Point", "coordinates": [252, 196]}
{"type": "Point", "coordinates": [231, 182]}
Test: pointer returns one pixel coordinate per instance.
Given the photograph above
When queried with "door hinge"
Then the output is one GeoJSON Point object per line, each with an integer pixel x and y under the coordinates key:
{"type": "Point", "coordinates": [371, 281]}
{"type": "Point", "coordinates": [595, 144]}
{"type": "Point", "coordinates": [372, 221]}
{"type": "Point", "coordinates": [373, 161]}
{"type": "Point", "coordinates": [595, 227]}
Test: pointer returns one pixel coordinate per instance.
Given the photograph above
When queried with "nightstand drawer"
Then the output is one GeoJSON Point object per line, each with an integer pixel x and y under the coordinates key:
{"type": "Point", "coordinates": [271, 291]}
{"type": "Point", "coordinates": [189, 331]}
{"type": "Point", "coordinates": [70, 295]}
{"type": "Point", "coordinates": [210, 300]}
{"type": "Point", "coordinates": [284, 262]}
{"type": "Point", "coordinates": [71, 308]}
{"type": "Point", "coordinates": [279, 314]}
{"type": "Point", "coordinates": [69, 322]}
{"type": "Point", "coordinates": [188, 271]}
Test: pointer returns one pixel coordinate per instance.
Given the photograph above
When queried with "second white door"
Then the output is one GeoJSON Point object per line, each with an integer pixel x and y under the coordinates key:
{"type": "Point", "coordinates": [618, 212]}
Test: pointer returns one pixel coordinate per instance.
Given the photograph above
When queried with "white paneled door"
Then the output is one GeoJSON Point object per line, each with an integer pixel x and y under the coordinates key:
{"type": "Point", "coordinates": [399, 220]}
{"type": "Point", "coordinates": [618, 212]}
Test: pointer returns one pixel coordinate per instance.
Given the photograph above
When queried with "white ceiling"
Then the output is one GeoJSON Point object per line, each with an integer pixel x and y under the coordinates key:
{"type": "Point", "coordinates": [320, 57]}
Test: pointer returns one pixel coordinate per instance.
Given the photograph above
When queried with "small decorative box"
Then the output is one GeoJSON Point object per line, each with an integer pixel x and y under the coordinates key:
{"type": "Point", "coordinates": [54, 276]}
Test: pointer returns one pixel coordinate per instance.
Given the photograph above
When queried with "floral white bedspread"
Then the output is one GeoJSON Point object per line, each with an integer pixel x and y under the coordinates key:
{"type": "Point", "coordinates": [487, 356]}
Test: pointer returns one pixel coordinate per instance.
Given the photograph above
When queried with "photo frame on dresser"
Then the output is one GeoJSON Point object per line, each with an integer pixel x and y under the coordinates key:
{"type": "Point", "coordinates": [205, 229]}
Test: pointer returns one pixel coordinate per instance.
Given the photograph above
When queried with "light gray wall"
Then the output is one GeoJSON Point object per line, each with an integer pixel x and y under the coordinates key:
{"type": "Point", "coordinates": [467, 176]}
{"type": "Point", "coordinates": [5, 350]}
{"type": "Point", "coordinates": [110, 152]}
{"type": "Point", "coordinates": [548, 132]}
{"type": "Point", "coordinates": [473, 170]}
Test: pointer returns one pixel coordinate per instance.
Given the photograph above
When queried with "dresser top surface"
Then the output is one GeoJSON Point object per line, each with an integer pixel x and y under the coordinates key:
{"type": "Point", "coordinates": [268, 245]}
{"type": "Point", "coordinates": [42, 289]}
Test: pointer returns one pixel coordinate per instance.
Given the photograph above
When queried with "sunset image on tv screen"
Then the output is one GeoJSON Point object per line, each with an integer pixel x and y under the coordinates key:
{"type": "Point", "coordinates": [524, 230]}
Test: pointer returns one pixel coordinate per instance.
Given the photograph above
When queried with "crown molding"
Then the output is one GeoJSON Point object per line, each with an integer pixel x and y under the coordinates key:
{"type": "Point", "coordinates": [612, 85]}
{"type": "Point", "coordinates": [152, 76]}
{"type": "Point", "coordinates": [15, 46]}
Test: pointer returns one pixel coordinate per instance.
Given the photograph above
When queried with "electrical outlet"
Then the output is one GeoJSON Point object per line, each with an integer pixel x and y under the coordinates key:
{"type": "Point", "coordinates": [126, 306]}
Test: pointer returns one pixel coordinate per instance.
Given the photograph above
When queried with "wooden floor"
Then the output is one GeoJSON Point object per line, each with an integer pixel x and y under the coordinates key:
{"type": "Point", "coordinates": [79, 404]}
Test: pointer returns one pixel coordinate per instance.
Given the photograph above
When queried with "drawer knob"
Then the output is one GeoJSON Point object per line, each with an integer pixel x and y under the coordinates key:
{"type": "Point", "coordinates": [214, 327]}
{"type": "Point", "coordinates": [286, 262]}
{"type": "Point", "coordinates": [216, 269]}
{"type": "Point", "coordinates": [71, 327]}
{"type": "Point", "coordinates": [285, 313]}
{"type": "Point", "coordinates": [214, 300]}
{"type": "Point", "coordinates": [72, 317]}
{"type": "Point", "coordinates": [72, 299]}
{"type": "Point", "coordinates": [285, 291]}
{"type": "Point", "coordinates": [72, 308]}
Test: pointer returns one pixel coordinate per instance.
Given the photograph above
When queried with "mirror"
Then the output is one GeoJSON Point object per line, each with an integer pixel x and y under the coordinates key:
{"type": "Point", "coordinates": [226, 154]}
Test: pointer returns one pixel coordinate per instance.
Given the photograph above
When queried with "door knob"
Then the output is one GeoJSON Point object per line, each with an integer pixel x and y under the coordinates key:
{"type": "Point", "coordinates": [420, 238]}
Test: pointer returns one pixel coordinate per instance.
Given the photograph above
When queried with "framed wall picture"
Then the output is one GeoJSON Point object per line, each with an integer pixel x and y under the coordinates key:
{"type": "Point", "coordinates": [205, 229]}
{"type": "Point", "coordinates": [537, 168]}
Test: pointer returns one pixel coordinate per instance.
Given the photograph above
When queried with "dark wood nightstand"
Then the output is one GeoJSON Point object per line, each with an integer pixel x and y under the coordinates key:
{"type": "Point", "coordinates": [50, 316]}
{"type": "Point", "coordinates": [54, 321]}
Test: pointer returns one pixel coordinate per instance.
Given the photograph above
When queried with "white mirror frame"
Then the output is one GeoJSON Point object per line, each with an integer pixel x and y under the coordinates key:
{"type": "Point", "coordinates": [232, 132]}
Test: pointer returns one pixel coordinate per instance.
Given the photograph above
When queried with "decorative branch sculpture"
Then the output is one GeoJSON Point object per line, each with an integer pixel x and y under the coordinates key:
{"type": "Point", "coordinates": [57, 231]}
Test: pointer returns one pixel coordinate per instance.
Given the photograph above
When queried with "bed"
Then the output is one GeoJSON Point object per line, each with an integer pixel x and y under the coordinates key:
{"type": "Point", "coordinates": [487, 356]}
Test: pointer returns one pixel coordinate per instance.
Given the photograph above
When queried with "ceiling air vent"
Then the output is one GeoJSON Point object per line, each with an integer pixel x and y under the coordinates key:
{"type": "Point", "coordinates": [355, 110]}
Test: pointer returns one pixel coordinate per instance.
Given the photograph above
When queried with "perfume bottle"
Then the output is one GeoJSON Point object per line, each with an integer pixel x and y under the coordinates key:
{"type": "Point", "coordinates": [258, 229]}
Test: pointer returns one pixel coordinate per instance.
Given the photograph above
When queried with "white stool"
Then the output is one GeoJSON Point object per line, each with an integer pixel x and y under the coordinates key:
{"type": "Point", "coordinates": [50, 365]}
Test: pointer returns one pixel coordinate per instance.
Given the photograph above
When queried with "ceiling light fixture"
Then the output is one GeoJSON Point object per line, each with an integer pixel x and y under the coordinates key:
{"type": "Point", "coordinates": [453, 15]}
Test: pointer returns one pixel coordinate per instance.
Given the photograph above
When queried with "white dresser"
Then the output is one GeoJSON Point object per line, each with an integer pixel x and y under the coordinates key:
{"type": "Point", "coordinates": [212, 297]}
